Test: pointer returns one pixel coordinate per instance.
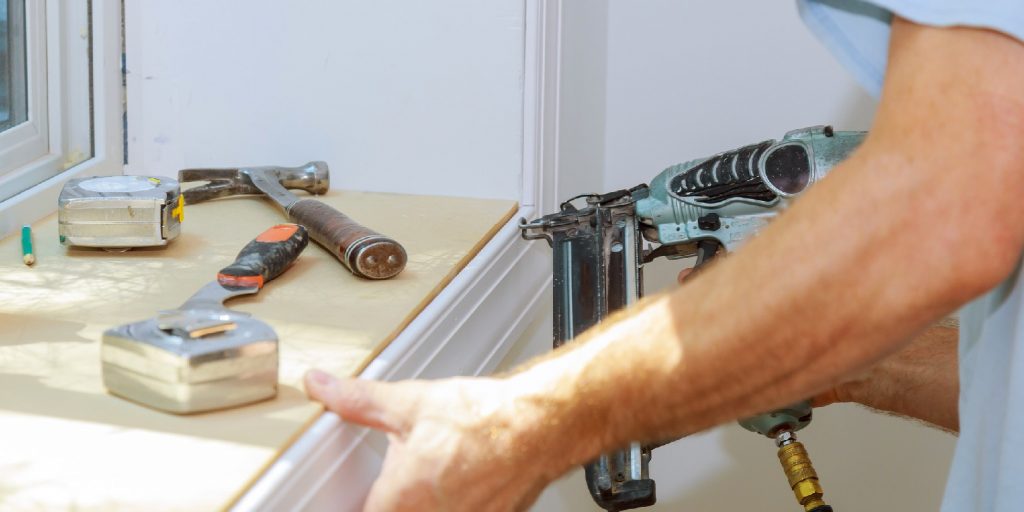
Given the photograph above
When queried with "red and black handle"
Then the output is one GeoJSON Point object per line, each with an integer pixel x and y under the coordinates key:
{"type": "Point", "coordinates": [266, 257]}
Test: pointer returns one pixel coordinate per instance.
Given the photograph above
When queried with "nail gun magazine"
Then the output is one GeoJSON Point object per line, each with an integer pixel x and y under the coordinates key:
{"type": "Point", "coordinates": [600, 243]}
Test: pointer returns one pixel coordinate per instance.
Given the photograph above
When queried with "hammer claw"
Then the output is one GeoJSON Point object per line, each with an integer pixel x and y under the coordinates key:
{"type": "Point", "coordinates": [209, 174]}
{"type": "Point", "coordinates": [217, 189]}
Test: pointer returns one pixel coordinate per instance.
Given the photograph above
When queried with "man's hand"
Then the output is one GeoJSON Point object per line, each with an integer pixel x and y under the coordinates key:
{"type": "Point", "coordinates": [921, 381]}
{"type": "Point", "coordinates": [455, 444]}
{"type": "Point", "coordinates": [683, 274]}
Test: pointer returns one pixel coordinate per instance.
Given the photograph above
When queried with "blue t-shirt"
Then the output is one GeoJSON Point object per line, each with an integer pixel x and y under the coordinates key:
{"type": "Point", "coordinates": [988, 466]}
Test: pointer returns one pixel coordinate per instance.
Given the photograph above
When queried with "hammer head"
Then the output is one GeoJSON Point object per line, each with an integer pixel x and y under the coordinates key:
{"type": "Point", "coordinates": [192, 362]}
{"type": "Point", "coordinates": [313, 177]}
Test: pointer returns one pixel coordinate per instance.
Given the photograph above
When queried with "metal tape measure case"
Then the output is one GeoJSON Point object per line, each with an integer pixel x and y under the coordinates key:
{"type": "Point", "coordinates": [119, 211]}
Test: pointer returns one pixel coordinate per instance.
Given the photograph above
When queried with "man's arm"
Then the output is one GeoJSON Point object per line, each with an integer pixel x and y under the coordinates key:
{"type": "Point", "coordinates": [921, 381]}
{"type": "Point", "coordinates": [925, 216]}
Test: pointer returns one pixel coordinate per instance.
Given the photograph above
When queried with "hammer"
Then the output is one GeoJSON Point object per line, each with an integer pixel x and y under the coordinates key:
{"type": "Point", "coordinates": [365, 252]}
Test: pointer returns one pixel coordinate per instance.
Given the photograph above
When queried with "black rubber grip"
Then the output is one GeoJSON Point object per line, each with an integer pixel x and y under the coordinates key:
{"type": "Point", "coordinates": [823, 508]}
{"type": "Point", "coordinates": [266, 257]}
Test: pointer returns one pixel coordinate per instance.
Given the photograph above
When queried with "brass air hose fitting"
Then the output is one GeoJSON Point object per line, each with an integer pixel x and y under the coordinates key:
{"type": "Point", "coordinates": [800, 473]}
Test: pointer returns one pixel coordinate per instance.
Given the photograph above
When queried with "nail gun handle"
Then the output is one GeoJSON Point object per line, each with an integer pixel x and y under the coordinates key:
{"type": "Point", "coordinates": [266, 257]}
{"type": "Point", "coordinates": [365, 252]}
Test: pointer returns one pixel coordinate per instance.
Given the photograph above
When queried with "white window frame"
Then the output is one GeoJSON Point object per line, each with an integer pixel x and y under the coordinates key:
{"type": "Point", "coordinates": [36, 146]}
{"type": "Point", "coordinates": [27, 141]}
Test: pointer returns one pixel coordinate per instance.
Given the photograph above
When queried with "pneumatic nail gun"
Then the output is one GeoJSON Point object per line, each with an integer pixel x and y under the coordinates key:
{"type": "Point", "coordinates": [692, 209]}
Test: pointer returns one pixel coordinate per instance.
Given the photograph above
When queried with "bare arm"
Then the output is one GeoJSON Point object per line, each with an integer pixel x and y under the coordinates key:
{"type": "Point", "coordinates": [867, 258]}
{"type": "Point", "coordinates": [921, 381]}
{"type": "Point", "coordinates": [877, 242]}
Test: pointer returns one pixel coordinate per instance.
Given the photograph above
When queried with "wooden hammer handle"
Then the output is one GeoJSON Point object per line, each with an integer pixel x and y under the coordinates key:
{"type": "Point", "coordinates": [365, 252]}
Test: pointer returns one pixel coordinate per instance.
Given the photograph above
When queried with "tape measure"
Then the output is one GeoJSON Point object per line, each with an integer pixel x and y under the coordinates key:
{"type": "Point", "coordinates": [119, 211]}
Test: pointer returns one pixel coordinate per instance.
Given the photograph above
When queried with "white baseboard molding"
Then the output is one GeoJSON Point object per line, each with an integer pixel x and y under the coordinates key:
{"type": "Point", "coordinates": [466, 330]}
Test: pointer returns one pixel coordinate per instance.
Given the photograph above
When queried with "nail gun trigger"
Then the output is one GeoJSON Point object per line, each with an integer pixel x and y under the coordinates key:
{"type": "Point", "coordinates": [672, 252]}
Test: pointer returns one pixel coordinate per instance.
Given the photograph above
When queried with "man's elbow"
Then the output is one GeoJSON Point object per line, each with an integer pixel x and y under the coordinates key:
{"type": "Point", "coordinates": [984, 237]}
{"type": "Point", "coordinates": [985, 262]}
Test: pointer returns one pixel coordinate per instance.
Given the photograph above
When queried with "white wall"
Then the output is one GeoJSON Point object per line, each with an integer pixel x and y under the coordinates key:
{"type": "Point", "coordinates": [687, 79]}
{"type": "Point", "coordinates": [399, 96]}
{"type": "Point", "coordinates": [690, 78]}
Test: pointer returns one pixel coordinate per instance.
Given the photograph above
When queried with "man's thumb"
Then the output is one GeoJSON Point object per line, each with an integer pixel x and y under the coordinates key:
{"type": "Point", "coordinates": [373, 404]}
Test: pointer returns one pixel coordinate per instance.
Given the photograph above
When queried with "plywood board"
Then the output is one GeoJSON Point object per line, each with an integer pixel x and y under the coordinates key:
{"type": "Point", "coordinates": [67, 444]}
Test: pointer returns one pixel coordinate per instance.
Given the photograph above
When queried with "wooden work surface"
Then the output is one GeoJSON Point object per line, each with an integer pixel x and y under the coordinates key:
{"type": "Point", "coordinates": [66, 444]}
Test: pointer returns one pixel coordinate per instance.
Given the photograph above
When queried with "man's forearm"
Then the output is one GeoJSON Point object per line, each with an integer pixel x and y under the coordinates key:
{"type": "Point", "coordinates": [836, 283]}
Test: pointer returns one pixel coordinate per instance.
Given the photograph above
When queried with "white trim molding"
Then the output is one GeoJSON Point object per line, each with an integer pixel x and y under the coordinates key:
{"type": "Point", "coordinates": [542, 54]}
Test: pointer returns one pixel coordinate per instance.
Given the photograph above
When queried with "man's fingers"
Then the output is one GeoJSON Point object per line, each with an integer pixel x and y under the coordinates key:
{"type": "Point", "coordinates": [377, 405]}
{"type": "Point", "coordinates": [382, 497]}
{"type": "Point", "coordinates": [401, 485]}
{"type": "Point", "coordinates": [683, 274]}
{"type": "Point", "coordinates": [827, 398]}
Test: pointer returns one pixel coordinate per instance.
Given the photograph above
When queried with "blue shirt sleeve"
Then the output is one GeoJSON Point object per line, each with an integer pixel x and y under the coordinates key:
{"type": "Point", "coordinates": [857, 31]}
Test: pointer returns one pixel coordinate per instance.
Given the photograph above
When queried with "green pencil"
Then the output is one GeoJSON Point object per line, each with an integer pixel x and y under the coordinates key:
{"type": "Point", "coordinates": [26, 245]}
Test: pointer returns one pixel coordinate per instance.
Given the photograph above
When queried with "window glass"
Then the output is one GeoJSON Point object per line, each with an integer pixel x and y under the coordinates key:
{"type": "Point", "coordinates": [13, 85]}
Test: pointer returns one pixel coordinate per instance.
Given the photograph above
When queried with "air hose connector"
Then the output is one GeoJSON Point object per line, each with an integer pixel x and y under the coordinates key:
{"type": "Point", "coordinates": [800, 473]}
